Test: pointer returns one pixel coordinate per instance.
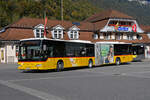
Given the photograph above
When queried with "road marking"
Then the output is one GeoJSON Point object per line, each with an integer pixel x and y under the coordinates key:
{"type": "Point", "coordinates": [33, 92]}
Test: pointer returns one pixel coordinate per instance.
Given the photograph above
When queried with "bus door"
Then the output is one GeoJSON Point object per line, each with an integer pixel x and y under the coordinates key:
{"type": "Point", "coordinates": [73, 54]}
{"type": "Point", "coordinates": [97, 55]}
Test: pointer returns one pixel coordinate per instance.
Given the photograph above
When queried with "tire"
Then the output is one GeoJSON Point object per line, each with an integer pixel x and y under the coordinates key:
{"type": "Point", "coordinates": [90, 64]}
{"type": "Point", "coordinates": [60, 66]}
{"type": "Point", "coordinates": [118, 62]}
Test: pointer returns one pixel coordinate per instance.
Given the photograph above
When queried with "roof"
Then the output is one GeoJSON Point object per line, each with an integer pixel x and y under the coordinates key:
{"type": "Point", "coordinates": [32, 22]}
{"type": "Point", "coordinates": [145, 28]}
{"type": "Point", "coordinates": [100, 24]}
{"type": "Point", "coordinates": [106, 14]}
{"type": "Point", "coordinates": [23, 28]}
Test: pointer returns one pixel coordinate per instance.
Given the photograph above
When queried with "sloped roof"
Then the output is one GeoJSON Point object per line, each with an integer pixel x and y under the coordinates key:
{"type": "Point", "coordinates": [106, 14]}
{"type": "Point", "coordinates": [32, 22]}
{"type": "Point", "coordinates": [100, 24]}
{"type": "Point", "coordinates": [145, 28]}
{"type": "Point", "coordinates": [23, 28]}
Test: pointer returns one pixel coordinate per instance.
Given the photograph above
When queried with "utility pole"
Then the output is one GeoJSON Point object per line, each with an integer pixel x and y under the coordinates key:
{"type": "Point", "coordinates": [62, 10]}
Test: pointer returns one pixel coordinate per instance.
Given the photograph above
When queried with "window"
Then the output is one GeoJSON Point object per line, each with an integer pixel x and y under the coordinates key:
{"type": "Point", "coordinates": [139, 37]}
{"type": "Point", "coordinates": [95, 36]}
{"type": "Point", "coordinates": [121, 23]}
{"type": "Point", "coordinates": [57, 32]}
{"type": "Point", "coordinates": [113, 36]}
{"type": "Point", "coordinates": [130, 36]}
{"type": "Point", "coordinates": [79, 50]}
{"type": "Point", "coordinates": [101, 36]}
{"type": "Point", "coordinates": [73, 32]}
{"type": "Point", "coordinates": [119, 36]}
{"type": "Point", "coordinates": [122, 49]}
{"type": "Point", "coordinates": [125, 36]}
{"type": "Point", "coordinates": [39, 31]}
{"type": "Point", "coordinates": [107, 36]}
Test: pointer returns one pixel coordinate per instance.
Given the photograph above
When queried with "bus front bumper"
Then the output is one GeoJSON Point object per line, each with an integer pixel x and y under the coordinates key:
{"type": "Point", "coordinates": [22, 66]}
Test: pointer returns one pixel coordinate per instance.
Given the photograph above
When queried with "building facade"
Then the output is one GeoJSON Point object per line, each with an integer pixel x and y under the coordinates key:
{"type": "Point", "coordinates": [109, 25]}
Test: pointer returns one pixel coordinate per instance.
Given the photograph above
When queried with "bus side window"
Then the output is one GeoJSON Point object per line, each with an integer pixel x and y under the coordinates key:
{"type": "Point", "coordinates": [90, 51]}
{"type": "Point", "coordinates": [50, 51]}
{"type": "Point", "coordinates": [70, 50]}
{"type": "Point", "coordinates": [59, 50]}
{"type": "Point", "coordinates": [83, 52]}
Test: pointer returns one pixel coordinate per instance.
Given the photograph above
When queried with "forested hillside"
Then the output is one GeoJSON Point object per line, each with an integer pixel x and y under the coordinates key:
{"type": "Point", "coordinates": [137, 10]}
{"type": "Point", "coordinates": [12, 10]}
{"type": "Point", "coordinates": [74, 10]}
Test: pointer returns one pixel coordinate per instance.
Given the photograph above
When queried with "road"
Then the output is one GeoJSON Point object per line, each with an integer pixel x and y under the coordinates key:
{"type": "Point", "coordinates": [126, 82]}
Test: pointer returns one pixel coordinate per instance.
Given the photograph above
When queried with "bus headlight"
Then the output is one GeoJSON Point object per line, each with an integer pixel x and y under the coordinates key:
{"type": "Point", "coordinates": [38, 65]}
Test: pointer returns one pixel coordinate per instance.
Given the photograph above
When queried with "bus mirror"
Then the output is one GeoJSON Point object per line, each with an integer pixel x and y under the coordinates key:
{"type": "Point", "coordinates": [44, 47]}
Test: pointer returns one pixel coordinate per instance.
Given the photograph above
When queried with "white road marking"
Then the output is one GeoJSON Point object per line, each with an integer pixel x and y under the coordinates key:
{"type": "Point", "coordinates": [33, 92]}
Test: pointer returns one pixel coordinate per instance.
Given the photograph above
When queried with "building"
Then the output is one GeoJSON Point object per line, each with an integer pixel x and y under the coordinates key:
{"type": "Point", "coordinates": [147, 43]}
{"type": "Point", "coordinates": [109, 25]}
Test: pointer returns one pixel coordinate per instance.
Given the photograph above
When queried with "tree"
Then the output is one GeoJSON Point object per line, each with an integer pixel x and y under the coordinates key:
{"type": "Point", "coordinates": [12, 10]}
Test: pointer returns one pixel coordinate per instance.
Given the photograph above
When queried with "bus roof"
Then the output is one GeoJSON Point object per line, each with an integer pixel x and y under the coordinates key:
{"type": "Point", "coordinates": [112, 43]}
{"type": "Point", "coordinates": [78, 41]}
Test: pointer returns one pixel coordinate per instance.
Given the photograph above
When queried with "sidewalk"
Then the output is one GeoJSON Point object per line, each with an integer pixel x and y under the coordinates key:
{"type": "Point", "coordinates": [3, 66]}
{"type": "Point", "coordinates": [146, 60]}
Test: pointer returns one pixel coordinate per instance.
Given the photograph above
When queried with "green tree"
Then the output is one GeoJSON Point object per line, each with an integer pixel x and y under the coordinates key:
{"type": "Point", "coordinates": [74, 10]}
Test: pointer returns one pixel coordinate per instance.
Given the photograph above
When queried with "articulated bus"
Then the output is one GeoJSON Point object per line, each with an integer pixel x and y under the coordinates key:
{"type": "Point", "coordinates": [45, 54]}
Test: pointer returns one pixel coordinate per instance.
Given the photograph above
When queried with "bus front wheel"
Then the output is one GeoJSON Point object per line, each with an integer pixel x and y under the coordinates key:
{"type": "Point", "coordinates": [118, 62]}
{"type": "Point", "coordinates": [60, 66]}
{"type": "Point", "coordinates": [90, 65]}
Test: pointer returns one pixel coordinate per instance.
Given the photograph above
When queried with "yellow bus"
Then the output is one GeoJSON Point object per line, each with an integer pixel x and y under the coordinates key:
{"type": "Point", "coordinates": [112, 53]}
{"type": "Point", "coordinates": [45, 54]}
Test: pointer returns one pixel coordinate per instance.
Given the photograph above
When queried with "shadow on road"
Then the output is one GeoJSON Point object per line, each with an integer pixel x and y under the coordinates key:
{"type": "Point", "coordinates": [70, 69]}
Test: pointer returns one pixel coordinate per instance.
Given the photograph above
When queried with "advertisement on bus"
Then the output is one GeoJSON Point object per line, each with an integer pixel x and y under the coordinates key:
{"type": "Point", "coordinates": [107, 53]}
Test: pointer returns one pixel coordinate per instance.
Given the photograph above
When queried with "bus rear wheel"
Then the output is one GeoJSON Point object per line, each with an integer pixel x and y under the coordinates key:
{"type": "Point", "coordinates": [90, 65]}
{"type": "Point", "coordinates": [118, 62]}
{"type": "Point", "coordinates": [60, 66]}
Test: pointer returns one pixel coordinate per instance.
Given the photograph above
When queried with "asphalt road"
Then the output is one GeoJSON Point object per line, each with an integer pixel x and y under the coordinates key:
{"type": "Point", "coordinates": [126, 82]}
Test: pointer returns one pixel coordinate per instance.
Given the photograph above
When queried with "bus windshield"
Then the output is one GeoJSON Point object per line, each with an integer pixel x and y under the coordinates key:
{"type": "Point", "coordinates": [30, 51]}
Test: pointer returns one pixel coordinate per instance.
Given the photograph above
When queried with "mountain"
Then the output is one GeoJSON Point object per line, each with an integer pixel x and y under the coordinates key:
{"type": "Point", "coordinates": [132, 7]}
{"type": "Point", "coordinates": [144, 2]}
